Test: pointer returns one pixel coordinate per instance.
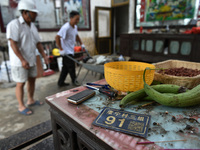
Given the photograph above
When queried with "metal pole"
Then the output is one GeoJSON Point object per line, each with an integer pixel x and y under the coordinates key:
{"type": "Point", "coordinates": [4, 57]}
{"type": "Point", "coordinates": [114, 32]}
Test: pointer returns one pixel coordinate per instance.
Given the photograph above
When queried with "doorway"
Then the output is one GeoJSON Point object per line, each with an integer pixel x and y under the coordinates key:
{"type": "Point", "coordinates": [121, 25]}
{"type": "Point", "coordinates": [103, 30]}
{"type": "Point", "coordinates": [110, 23]}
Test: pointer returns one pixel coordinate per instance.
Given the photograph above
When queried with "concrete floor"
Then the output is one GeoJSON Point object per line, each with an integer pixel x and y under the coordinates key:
{"type": "Point", "coordinates": [11, 122]}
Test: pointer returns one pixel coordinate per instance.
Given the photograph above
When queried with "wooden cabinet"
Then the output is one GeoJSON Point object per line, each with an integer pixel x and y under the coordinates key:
{"type": "Point", "coordinates": [159, 47]}
{"type": "Point", "coordinates": [69, 135]}
{"type": "Point", "coordinates": [124, 44]}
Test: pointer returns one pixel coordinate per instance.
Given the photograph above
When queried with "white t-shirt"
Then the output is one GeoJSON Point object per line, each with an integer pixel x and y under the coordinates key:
{"type": "Point", "coordinates": [26, 37]}
{"type": "Point", "coordinates": [68, 38]}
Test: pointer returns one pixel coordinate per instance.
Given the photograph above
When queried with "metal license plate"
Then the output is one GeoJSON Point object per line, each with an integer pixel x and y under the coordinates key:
{"type": "Point", "coordinates": [123, 121]}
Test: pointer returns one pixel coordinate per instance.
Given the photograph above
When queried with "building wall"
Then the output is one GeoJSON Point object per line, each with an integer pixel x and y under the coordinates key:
{"type": "Point", "coordinates": [88, 37]}
{"type": "Point", "coordinates": [131, 16]}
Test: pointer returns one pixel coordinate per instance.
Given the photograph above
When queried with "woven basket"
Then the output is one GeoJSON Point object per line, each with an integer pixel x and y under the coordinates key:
{"type": "Point", "coordinates": [189, 82]}
{"type": "Point", "coordinates": [128, 75]}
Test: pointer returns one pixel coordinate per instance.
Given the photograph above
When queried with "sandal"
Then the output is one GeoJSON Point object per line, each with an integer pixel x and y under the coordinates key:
{"type": "Point", "coordinates": [38, 103]}
{"type": "Point", "coordinates": [25, 112]}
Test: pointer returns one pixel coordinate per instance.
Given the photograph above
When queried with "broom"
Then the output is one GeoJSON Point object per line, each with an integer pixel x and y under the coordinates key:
{"type": "Point", "coordinates": [48, 71]}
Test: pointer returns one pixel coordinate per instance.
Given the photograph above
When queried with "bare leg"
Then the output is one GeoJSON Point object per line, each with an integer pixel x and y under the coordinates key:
{"type": "Point", "coordinates": [20, 96]}
{"type": "Point", "coordinates": [31, 90]}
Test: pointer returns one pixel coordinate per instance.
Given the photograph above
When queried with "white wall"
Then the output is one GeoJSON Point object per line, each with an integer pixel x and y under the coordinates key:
{"type": "Point", "coordinates": [93, 4]}
{"type": "Point", "coordinates": [47, 19]}
{"type": "Point", "coordinates": [46, 36]}
{"type": "Point", "coordinates": [131, 16]}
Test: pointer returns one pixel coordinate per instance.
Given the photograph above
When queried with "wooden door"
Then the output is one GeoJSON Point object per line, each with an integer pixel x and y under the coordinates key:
{"type": "Point", "coordinates": [103, 30]}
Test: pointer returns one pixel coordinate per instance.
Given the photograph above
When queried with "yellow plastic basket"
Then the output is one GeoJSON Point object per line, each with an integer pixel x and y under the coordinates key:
{"type": "Point", "coordinates": [128, 76]}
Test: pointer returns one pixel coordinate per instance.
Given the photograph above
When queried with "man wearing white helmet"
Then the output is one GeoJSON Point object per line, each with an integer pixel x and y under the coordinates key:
{"type": "Point", "coordinates": [23, 39]}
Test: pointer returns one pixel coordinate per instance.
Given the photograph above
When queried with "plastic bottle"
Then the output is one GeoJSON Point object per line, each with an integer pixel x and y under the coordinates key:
{"type": "Point", "coordinates": [121, 58]}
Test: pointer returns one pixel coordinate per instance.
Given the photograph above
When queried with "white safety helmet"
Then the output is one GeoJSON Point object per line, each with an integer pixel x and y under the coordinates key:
{"type": "Point", "coordinates": [27, 5]}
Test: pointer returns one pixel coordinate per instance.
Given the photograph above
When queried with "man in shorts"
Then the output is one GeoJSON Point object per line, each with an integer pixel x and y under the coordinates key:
{"type": "Point", "coordinates": [23, 40]}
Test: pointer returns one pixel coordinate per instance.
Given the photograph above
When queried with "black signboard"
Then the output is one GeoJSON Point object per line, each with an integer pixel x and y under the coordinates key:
{"type": "Point", "coordinates": [123, 121]}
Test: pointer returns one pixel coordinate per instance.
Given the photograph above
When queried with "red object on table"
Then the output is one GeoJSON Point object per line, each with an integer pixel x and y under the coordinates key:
{"type": "Point", "coordinates": [194, 30]}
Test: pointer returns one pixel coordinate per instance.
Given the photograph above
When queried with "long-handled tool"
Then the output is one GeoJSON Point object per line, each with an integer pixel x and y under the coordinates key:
{"type": "Point", "coordinates": [102, 90]}
{"type": "Point", "coordinates": [48, 71]}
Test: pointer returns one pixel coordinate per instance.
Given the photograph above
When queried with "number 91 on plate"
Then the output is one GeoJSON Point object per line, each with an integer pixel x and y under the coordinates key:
{"type": "Point", "coordinates": [123, 121]}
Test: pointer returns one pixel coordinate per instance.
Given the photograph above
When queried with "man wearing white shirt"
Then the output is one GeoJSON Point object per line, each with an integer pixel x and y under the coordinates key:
{"type": "Point", "coordinates": [65, 40]}
{"type": "Point", "coordinates": [23, 39]}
